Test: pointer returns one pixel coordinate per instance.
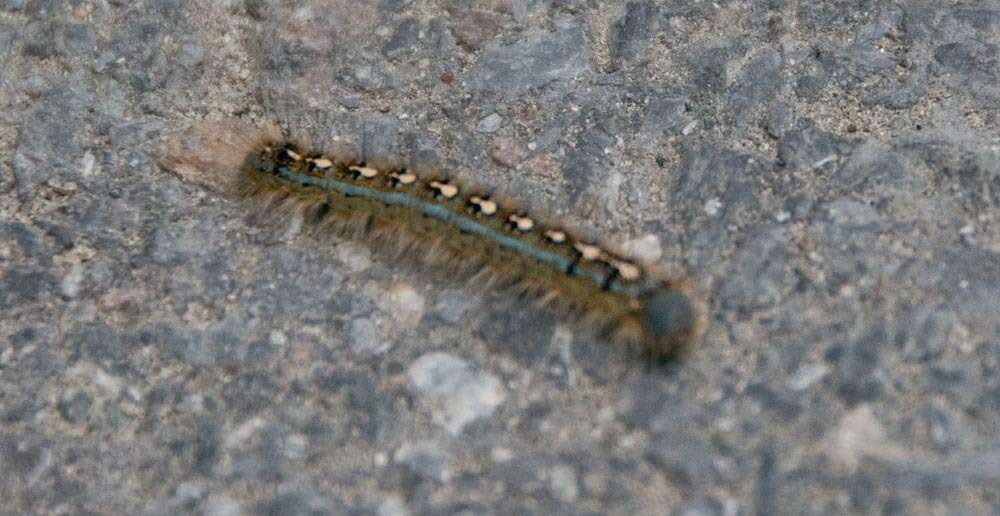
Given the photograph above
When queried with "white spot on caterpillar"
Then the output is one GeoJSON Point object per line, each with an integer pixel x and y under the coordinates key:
{"type": "Point", "coordinates": [294, 155]}
{"type": "Point", "coordinates": [404, 179]}
{"type": "Point", "coordinates": [521, 223]}
{"type": "Point", "coordinates": [626, 270]}
{"type": "Point", "coordinates": [444, 189]}
{"type": "Point", "coordinates": [588, 252]}
{"type": "Point", "coordinates": [321, 163]}
{"type": "Point", "coordinates": [365, 172]}
{"type": "Point", "coordinates": [555, 236]}
{"type": "Point", "coordinates": [486, 206]}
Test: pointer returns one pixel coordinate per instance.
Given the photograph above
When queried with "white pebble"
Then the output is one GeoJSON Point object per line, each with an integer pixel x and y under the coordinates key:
{"type": "Point", "coordinates": [563, 484]}
{"type": "Point", "coordinates": [806, 376]}
{"type": "Point", "coordinates": [364, 339]}
{"type": "Point", "coordinates": [457, 393]}
{"type": "Point", "coordinates": [645, 249]}
{"type": "Point", "coordinates": [490, 124]}
{"type": "Point", "coordinates": [71, 283]}
{"type": "Point", "coordinates": [277, 338]}
{"type": "Point", "coordinates": [408, 304]}
{"type": "Point", "coordinates": [712, 207]}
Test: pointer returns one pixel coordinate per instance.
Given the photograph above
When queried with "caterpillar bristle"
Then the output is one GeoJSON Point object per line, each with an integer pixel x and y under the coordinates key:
{"type": "Point", "coordinates": [432, 220]}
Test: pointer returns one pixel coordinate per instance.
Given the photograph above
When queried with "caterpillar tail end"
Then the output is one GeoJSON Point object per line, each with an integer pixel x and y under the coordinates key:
{"type": "Point", "coordinates": [210, 154]}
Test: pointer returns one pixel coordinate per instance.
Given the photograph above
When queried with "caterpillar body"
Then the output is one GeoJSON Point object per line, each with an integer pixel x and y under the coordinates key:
{"type": "Point", "coordinates": [463, 231]}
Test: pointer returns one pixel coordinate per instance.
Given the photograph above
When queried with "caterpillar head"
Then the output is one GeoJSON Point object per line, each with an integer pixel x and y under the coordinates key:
{"type": "Point", "coordinates": [670, 320]}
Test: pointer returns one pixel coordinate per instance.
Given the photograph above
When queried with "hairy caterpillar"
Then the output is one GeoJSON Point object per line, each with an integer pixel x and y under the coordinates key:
{"type": "Point", "coordinates": [461, 230]}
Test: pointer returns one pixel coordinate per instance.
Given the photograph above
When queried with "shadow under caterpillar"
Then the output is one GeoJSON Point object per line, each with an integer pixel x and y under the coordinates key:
{"type": "Point", "coordinates": [462, 231]}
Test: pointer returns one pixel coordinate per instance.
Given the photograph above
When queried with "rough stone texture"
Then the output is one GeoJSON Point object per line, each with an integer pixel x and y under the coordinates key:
{"type": "Point", "coordinates": [828, 172]}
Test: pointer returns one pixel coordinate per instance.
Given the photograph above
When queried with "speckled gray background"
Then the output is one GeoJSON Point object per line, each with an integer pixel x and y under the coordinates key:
{"type": "Point", "coordinates": [829, 171]}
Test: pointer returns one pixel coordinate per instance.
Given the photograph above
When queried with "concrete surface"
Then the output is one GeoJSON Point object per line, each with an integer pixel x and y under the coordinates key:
{"type": "Point", "coordinates": [829, 171]}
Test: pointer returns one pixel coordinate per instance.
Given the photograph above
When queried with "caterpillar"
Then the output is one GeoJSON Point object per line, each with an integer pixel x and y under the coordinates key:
{"type": "Point", "coordinates": [434, 218]}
